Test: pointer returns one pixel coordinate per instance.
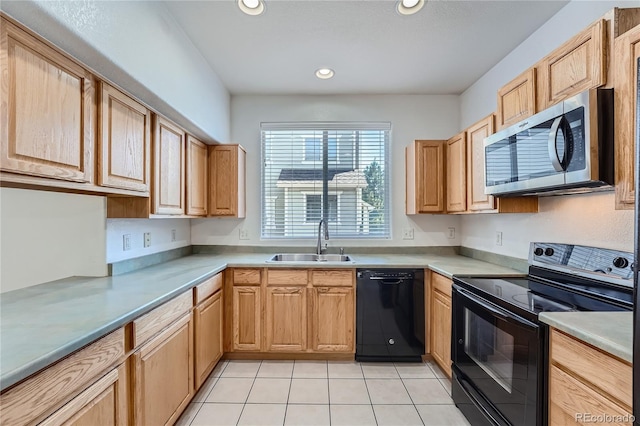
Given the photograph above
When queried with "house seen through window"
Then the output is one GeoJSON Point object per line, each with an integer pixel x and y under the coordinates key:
{"type": "Point", "coordinates": [332, 171]}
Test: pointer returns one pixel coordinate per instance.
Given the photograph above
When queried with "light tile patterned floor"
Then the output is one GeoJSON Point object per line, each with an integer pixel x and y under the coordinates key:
{"type": "Point", "coordinates": [323, 393]}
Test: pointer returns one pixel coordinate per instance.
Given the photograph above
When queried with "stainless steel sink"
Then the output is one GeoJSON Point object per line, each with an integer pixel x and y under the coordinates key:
{"type": "Point", "coordinates": [309, 257]}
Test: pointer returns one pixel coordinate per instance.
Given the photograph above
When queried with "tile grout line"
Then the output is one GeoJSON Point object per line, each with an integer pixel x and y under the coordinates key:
{"type": "Point", "coordinates": [247, 398]}
{"type": "Point", "coordinates": [208, 393]}
{"type": "Point", "coordinates": [408, 393]}
{"type": "Point", "coordinates": [368, 394]}
{"type": "Point", "coordinates": [286, 407]}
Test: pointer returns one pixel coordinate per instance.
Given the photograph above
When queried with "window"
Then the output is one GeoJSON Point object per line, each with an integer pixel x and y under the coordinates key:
{"type": "Point", "coordinates": [313, 149]}
{"type": "Point", "coordinates": [314, 208]}
{"type": "Point", "coordinates": [333, 171]}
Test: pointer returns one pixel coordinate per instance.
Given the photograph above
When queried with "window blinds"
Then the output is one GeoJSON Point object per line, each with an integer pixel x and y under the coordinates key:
{"type": "Point", "coordinates": [338, 172]}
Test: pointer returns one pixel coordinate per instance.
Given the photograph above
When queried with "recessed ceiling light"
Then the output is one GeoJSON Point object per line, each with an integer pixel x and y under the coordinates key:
{"type": "Point", "coordinates": [251, 7]}
{"type": "Point", "coordinates": [409, 7]}
{"type": "Point", "coordinates": [324, 73]}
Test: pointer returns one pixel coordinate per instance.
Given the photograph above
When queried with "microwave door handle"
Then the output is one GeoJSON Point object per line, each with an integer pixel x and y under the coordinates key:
{"type": "Point", "coordinates": [551, 145]}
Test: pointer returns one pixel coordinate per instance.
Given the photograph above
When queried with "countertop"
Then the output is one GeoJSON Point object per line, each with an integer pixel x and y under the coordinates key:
{"type": "Point", "coordinates": [42, 324]}
{"type": "Point", "coordinates": [610, 331]}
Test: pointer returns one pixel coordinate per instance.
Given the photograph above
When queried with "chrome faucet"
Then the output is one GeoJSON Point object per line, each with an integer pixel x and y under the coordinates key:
{"type": "Point", "coordinates": [319, 248]}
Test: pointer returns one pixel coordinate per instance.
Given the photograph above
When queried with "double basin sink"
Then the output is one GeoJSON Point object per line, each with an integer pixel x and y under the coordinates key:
{"type": "Point", "coordinates": [310, 257]}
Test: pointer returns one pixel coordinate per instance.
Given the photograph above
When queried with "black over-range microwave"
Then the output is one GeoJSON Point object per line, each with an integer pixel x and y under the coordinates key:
{"type": "Point", "coordinates": [567, 148]}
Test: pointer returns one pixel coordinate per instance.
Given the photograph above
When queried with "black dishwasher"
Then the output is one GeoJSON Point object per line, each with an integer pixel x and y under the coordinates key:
{"type": "Point", "coordinates": [390, 315]}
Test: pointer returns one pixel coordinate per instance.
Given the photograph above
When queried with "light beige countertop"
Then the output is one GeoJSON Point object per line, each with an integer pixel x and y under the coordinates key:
{"type": "Point", "coordinates": [610, 331]}
{"type": "Point", "coordinates": [42, 324]}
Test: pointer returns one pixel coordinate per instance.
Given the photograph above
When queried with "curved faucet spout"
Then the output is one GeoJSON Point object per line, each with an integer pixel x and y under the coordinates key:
{"type": "Point", "coordinates": [326, 235]}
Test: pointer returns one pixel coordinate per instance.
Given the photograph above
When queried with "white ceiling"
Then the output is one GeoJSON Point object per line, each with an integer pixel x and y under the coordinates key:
{"type": "Point", "coordinates": [442, 49]}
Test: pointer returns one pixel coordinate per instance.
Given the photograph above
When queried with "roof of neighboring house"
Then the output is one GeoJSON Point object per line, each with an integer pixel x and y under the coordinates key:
{"type": "Point", "coordinates": [308, 174]}
{"type": "Point", "coordinates": [301, 178]}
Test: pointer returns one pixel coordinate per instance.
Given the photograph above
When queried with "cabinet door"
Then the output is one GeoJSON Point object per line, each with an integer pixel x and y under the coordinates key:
{"type": "Point", "coordinates": [168, 168]}
{"type": "Point", "coordinates": [576, 66]}
{"type": "Point", "coordinates": [103, 403]}
{"type": "Point", "coordinates": [627, 52]}
{"type": "Point", "coordinates": [246, 318]}
{"type": "Point", "coordinates": [227, 185]}
{"type": "Point", "coordinates": [47, 121]}
{"type": "Point", "coordinates": [424, 177]}
{"type": "Point", "coordinates": [333, 319]}
{"type": "Point", "coordinates": [197, 176]}
{"type": "Point", "coordinates": [286, 322]}
{"type": "Point", "coordinates": [124, 142]}
{"type": "Point", "coordinates": [517, 99]}
{"type": "Point", "coordinates": [476, 198]}
{"type": "Point", "coordinates": [456, 174]}
{"type": "Point", "coordinates": [440, 321]}
{"type": "Point", "coordinates": [163, 375]}
{"type": "Point", "coordinates": [207, 336]}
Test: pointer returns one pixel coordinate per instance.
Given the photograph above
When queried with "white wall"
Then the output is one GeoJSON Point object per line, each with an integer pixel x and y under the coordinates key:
{"type": "Point", "coordinates": [139, 46]}
{"type": "Point", "coordinates": [580, 219]}
{"type": "Point", "coordinates": [45, 236]}
{"type": "Point", "coordinates": [160, 230]}
{"type": "Point", "coordinates": [411, 117]}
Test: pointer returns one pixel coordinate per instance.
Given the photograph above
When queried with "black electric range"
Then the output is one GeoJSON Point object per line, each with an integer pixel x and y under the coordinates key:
{"type": "Point", "coordinates": [499, 347]}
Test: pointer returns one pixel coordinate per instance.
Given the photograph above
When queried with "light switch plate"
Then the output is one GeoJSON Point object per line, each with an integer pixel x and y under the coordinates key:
{"type": "Point", "coordinates": [173, 235]}
{"type": "Point", "coordinates": [498, 238]}
{"type": "Point", "coordinates": [407, 233]}
{"type": "Point", "coordinates": [147, 239]}
{"type": "Point", "coordinates": [126, 242]}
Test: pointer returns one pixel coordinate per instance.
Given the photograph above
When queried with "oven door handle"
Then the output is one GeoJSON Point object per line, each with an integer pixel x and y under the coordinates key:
{"type": "Point", "coordinates": [495, 310]}
{"type": "Point", "coordinates": [473, 397]}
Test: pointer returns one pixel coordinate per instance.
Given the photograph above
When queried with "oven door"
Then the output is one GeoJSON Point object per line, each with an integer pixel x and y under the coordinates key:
{"type": "Point", "coordinates": [495, 355]}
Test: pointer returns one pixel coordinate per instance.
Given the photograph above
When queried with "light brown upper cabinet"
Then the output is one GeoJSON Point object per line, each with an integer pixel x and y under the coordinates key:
{"type": "Point", "coordinates": [627, 52]}
{"type": "Point", "coordinates": [425, 177]}
{"type": "Point", "coordinates": [124, 145]}
{"type": "Point", "coordinates": [576, 66]}
{"type": "Point", "coordinates": [476, 198]}
{"type": "Point", "coordinates": [197, 177]}
{"type": "Point", "coordinates": [227, 171]}
{"type": "Point", "coordinates": [167, 196]}
{"type": "Point", "coordinates": [517, 99]}
{"type": "Point", "coordinates": [47, 123]}
{"type": "Point", "coordinates": [456, 174]}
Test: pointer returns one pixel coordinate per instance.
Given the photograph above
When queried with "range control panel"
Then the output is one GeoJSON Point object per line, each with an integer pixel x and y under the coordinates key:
{"type": "Point", "coordinates": [595, 262]}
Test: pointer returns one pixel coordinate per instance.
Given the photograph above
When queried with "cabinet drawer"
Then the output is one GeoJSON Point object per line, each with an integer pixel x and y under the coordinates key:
{"type": "Point", "coordinates": [603, 371]}
{"type": "Point", "coordinates": [246, 276]}
{"type": "Point", "coordinates": [569, 399]}
{"type": "Point", "coordinates": [287, 277]}
{"type": "Point", "coordinates": [207, 288]}
{"type": "Point", "coordinates": [43, 393]}
{"type": "Point", "coordinates": [151, 323]}
{"type": "Point", "coordinates": [441, 283]}
{"type": "Point", "coordinates": [332, 278]}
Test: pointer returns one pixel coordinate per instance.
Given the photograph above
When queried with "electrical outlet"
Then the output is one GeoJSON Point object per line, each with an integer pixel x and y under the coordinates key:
{"type": "Point", "coordinates": [498, 238]}
{"type": "Point", "coordinates": [407, 233]}
{"type": "Point", "coordinates": [147, 239]}
{"type": "Point", "coordinates": [173, 235]}
{"type": "Point", "coordinates": [452, 233]}
{"type": "Point", "coordinates": [244, 234]}
{"type": "Point", "coordinates": [126, 242]}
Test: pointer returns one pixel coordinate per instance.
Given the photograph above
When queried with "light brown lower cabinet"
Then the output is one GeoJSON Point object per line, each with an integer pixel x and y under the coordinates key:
{"type": "Point", "coordinates": [103, 403]}
{"type": "Point", "coordinates": [246, 323]}
{"type": "Point", "coordinates": [293, 311]}
{"type": "Point", "coordinates": [333, 319]}
{"type": "Point", "coordinates": [207, 321]}
{"type": "Point", "coordinates": [162, 379]}
{"type": "Point", "coordinates": [440, 320]}
{"type": "Point", "coordinates": [286, 319]}
{"type": "Point", "coordinates": [585, 382]}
